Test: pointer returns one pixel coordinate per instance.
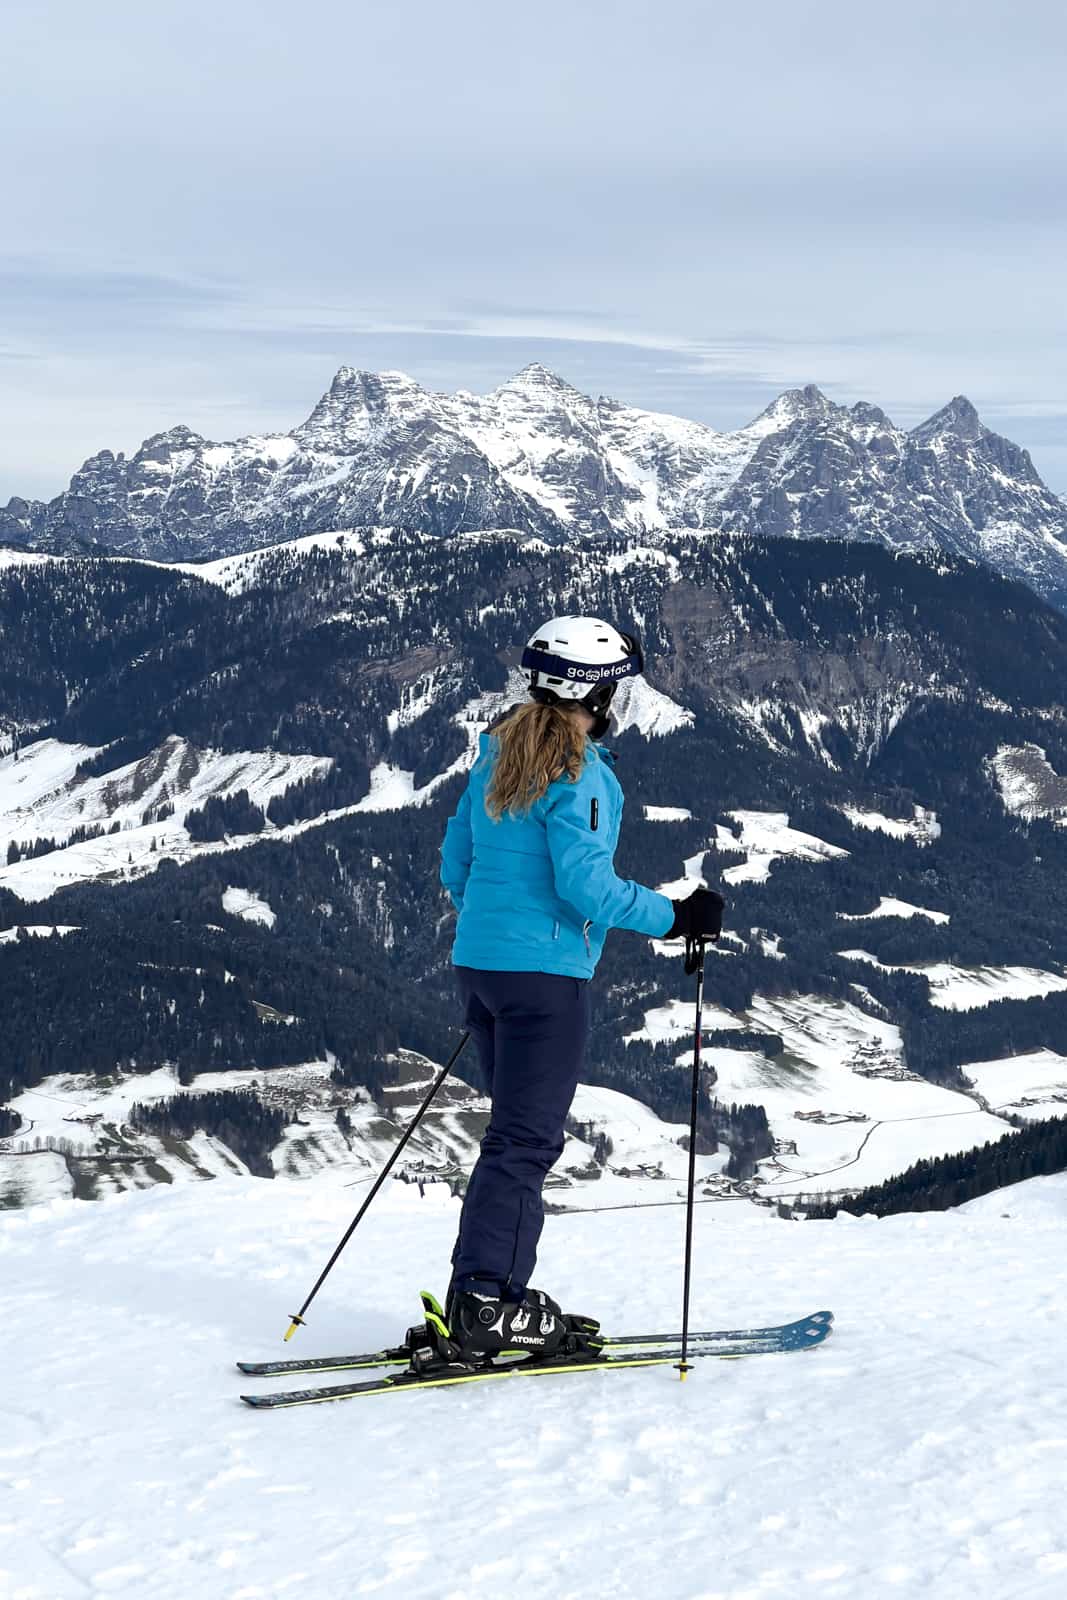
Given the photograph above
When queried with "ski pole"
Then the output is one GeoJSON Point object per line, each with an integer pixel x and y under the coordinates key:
{"type": "Point", "coordinates": [297, 1319]}
{"type": "Point", "coordinates": [694, 962]}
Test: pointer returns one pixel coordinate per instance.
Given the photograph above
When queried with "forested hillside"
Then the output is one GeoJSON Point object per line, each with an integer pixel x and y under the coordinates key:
{"type": "Point", "coordinates": [832, 693]}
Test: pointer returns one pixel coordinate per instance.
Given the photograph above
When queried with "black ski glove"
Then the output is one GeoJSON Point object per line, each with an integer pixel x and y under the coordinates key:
{"type": "Point", "coordinates": [697, 917]}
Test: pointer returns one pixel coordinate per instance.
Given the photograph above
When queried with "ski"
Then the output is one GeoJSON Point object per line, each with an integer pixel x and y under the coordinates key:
{"type": "Point", "coordinates": [398, 1355]}
{"type": "Point", "coordinates": [803, 1335]}
{"type": "Point", "coordinates": [295, 1367]}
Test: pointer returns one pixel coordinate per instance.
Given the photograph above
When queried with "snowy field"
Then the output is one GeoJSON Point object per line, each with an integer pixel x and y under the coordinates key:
{"type": "Point", "coordinates": [1029, 784]}
{"type": "Point", "coordinates": [888, 907]}
{"type": "Point", "coordinates": [920, 1452]}
{"type": "Point", "coordinates": [43, 797]}
{"type": "Point", "coordinates": [1032, 1085]}
{"type": "Point", "coordinates": [89, 1118]}
{"type": "Point", "coordinates": [922, 826]}
{"type": "Point", "coordinates": [765, 837]}
{"type": "Point", "coordinates": [248, 906]}
{"type": "Point", "coordinates": [955, 988]}
{"type": "Point", "coordinates": [843, 1111]}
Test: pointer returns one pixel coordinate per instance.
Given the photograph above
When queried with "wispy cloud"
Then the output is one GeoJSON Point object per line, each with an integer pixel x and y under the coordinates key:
{"type": "Point", "coordinates": [689, 206]}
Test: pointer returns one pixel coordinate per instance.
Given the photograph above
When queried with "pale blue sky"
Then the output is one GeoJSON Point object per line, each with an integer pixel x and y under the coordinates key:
{"type": "Point", "coordinates": [207, 208]}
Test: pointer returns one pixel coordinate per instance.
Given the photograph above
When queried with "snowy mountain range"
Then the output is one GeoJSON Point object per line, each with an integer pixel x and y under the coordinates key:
{"type": "Point", "coordinates": [539, 457]}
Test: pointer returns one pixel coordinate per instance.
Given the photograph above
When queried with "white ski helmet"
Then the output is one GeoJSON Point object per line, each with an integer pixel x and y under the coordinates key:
{"type": "Point", "coordinates": [580, 658]}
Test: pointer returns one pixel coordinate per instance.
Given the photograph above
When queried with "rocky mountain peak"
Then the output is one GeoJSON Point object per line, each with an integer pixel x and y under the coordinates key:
{"type": "Point", "coordinates": [540, 382]}
{"type": "Point", "coordinates": [869, 416]}
{"type": "Point", "coordinates": [373, 386]}
{"type": "Point", "coordinates": [958, 418]}
{"type": "Point", "coordinates": [539, 456]}
{"type": "Point", "coordinates": [795, 405]}
{"type": "Point", "coordinates": [176, 438]}
{"type": "Point", "coordinates": [357, 404]}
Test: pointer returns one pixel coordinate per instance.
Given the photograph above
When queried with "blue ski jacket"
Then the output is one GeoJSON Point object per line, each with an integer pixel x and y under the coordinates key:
{"type": "Point", "coordinates": [538, 892]}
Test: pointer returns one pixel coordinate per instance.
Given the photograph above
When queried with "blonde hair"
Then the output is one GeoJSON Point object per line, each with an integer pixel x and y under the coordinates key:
{"type": "Point", "coordinates": [536, 745]}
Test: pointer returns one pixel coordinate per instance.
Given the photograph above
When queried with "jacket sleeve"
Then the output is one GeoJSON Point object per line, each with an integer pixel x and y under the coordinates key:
{"type": "Point", "coordinates": [583, 869]}
{"type": "Point", "coordinates": [457, 850]}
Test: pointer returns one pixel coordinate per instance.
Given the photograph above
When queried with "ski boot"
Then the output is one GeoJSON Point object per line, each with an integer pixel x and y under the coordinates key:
{"type": "Point", "coordinates": [484, 1325]}
{"type": "Point", "coordinates": [481, 1325]}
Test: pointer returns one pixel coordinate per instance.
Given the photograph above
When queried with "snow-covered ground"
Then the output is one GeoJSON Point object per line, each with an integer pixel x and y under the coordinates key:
{"type": "Point", "coordinates": [843, 1111]}
{"type": "Point", "coordinates": [920, 1452]}
{"type": "Point", "coordinates": [1029, 784]}
{"type": "Point", "coordinates": [648, 1163]}
{"type": "Point", "coordinates": [922, 827]}
{"type": "Point", "coordinates": [692, 878]}
{"type": "Point", "coordinates": [1032, 1085]}
{"type": "Point", "coordinates": [674, 1021]}
{"type": "Point", "coordinates": [248, 906]}
{"type": "Point", "coordinates": [89, 1118]}
{"type": "Point", "coordinates": [765, 837]}
{"type": "Point", "coordinates": [37, 930]}
{"type": "Point", "coordinates": [42, 797]}
{"type": "Point", "coordinates": [888, 907]}
{"type": "Point", "coordinates": [965, 988]}
{"type": "Point", "coordinates": [86, 1118]}
{"type": "Point", "coordinates": [10, 557]}
{"type": "Point", "coordinates": [652, 713]}
{"type": "Point", "coordinates": [238, 573]}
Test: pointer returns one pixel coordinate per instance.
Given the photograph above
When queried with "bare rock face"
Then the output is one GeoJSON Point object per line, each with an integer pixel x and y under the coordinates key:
{"type": "Point", "coordinates": [539, 457]}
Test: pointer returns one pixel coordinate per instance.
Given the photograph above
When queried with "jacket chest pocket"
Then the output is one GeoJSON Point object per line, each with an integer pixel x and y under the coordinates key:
{"type": "Point", "coordinates": [594, 814]}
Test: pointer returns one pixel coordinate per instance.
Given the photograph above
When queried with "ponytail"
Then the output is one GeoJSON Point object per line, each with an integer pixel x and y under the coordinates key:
{"type": "Point", "coordinates": [537, 744]}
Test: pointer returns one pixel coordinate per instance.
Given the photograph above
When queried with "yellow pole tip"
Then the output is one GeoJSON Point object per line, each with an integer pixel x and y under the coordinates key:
{"type": "Point", "coordinates": [291, 1329]}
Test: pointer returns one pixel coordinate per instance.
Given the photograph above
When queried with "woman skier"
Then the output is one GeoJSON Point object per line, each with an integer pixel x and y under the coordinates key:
{"type": "Point", "coordinates": [528, 861]}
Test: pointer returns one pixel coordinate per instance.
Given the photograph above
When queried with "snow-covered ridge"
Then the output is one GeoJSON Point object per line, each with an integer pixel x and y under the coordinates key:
{"type": "Point", "coordinates": [652, 713]}
{"type": "Point", "coordinates": [10, 557]}
{"type": "Point", "coordinates": [238, 573]}
{"type": "Point", "coordinates": [42, 795]}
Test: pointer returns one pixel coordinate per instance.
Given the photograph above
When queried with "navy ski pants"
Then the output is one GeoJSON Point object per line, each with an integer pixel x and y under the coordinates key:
{"type": "Point", "coordinates": [530, 1030]}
